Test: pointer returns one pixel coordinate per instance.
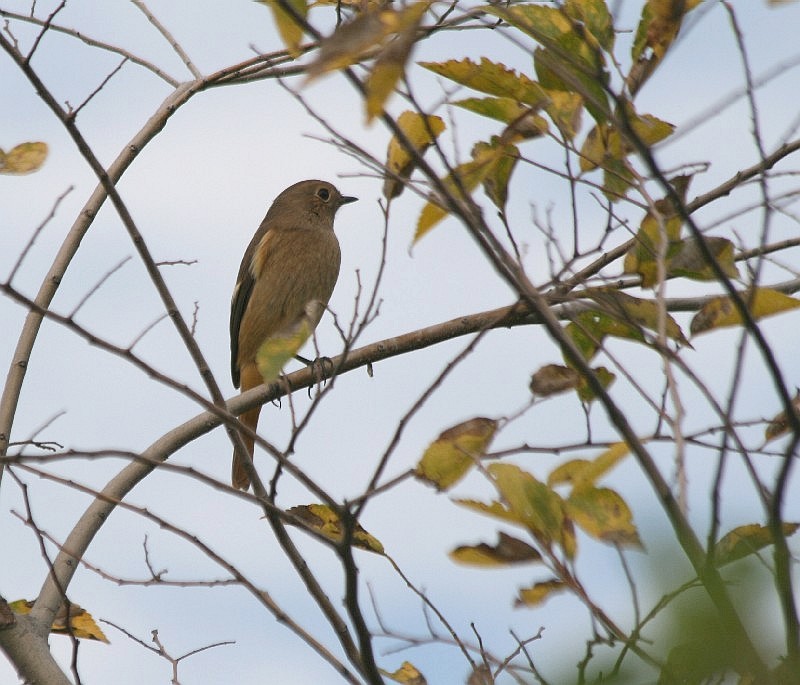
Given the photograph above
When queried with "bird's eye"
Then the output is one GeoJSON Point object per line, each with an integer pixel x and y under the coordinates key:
{"type": "Point", "coordinates": [324, 194]}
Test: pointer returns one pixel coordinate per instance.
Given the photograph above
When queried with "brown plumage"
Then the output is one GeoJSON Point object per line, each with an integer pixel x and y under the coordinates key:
{"type": "Point", "coordinates": [287, 273]}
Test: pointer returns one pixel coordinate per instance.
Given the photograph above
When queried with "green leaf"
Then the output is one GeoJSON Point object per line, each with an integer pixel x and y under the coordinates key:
{"type": "Point", "coordinates": [589, 328]}
{"type": "Point", "coordinates": [603, 375]}
{"type": "Point", "coordinates": [508, 551]}
{"type": "Point", "coordinates": [455, 451]}
{"type": "Point", "coordinates": [636, 311]}
{"type": "Point", "coordinates": [660, 224]}
{"type": "Point", "coordinates": [745, 540]}
{"type": "Point", "coordinates": [531, 501]}
{"type": "Point", "coordinates": [491, 78]}
{"type": "Point", "coordinates": [721, 311]}
{"type": "Point", "coordinates": [689, 261]}
{"type": "Point", "coordinates": [595, 16]}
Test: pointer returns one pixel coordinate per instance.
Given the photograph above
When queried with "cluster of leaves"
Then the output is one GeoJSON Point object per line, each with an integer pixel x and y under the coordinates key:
{"type": "Point", "coordinates": [532, 505]}
{"type": "Point", "coordinates": [575, 65]}
{"type": "Point", "coordinates": [73, 620]}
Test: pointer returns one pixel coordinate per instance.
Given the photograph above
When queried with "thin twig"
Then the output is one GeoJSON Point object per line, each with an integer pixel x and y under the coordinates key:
{"type": "Point", "coordinates": [176, 46]}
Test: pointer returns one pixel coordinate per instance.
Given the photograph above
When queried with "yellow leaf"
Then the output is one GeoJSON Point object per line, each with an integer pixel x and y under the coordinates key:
{"type": "Point", "coordinates": [536, 505]}
{"type": "Point", "coordinates": [385, 74]}
{"type": "Point", "coordinates": [538, 593]}
{"type": "Point", "coordinates": [508, 550]}
{"type": "Point", "coordinates": [495, 509]}
{"type": "Point", "coordinates": [661, 20]}
{"type": "Point", "coordinates": [391, 62]}
{"type": "Point", "coordinates": [609, 458]}
{"type": "Point", "coordinates": [464, 179]}
{"type": "Point", "coordinates": [81, 624]}
{"type": "Point", "coordinates": [290, 31]}
{"type": "Point", "coordinates": [595, 16]}
{"type": "Point", "coordinates": [552, 379]}
{"type": "Point", "coordinates": [721, 311]}
{"type": "Point", "coordinates": [659, 25]}
{"type": "Point", "coordinates": [565, 109]}
{"type": "Point", "coordinates": [745, 540]}
{"type": "Point", "coordinates": [569, 542]}
{"type": "Point", "coordinates": [421, 130]}
{"type": "Point", "coordinates": [607, 148]}
{"type": "Point", "coordinates": [648, 128]}
{"type": "Point", "coordinates": [603, 514]}
{"type": "Point", "coordinates": [780, 424]}
{"type": "Point", "coordinates": [495, 181]}
{"type": "Point", "coordinates": [585, 472]}
{"type": "Point", "coordinates": [570, 59]}
{"type": "Point", "coordinates": [569, 472]}
{"type": "Point", "coordinates": [406, 674]}
{"type": "Point", "coordinates": [491, 78]}
{"type": "Point", "coordinates": [599, 146]}
{"type": "Point", "coordinates": [324, 520]}
{"type": "Point", "coordinates": [280, 348]}
{"type": "Point", "coordinates": [349, 43]}
{"type": "Point", "coordinates": [455, 451]}
{"type": "Point", "coordinates": [25, 158]}
{"type": "Point", "coordinates": [522, 120]}
{"type": "Point", "coordinates": [356, 5]}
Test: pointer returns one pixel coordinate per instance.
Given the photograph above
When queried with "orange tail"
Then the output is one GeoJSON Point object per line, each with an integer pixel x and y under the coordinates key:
{"type": "Point", "coordinates": [250, 378]}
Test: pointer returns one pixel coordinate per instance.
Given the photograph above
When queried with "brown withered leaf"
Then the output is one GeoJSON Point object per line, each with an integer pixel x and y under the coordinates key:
{"type": "Point", "coordinates": [779, 425]}
{"type": "Point", "coordinates": [552, 379]}
{"type": "Point", "coordinates": [508, 550]}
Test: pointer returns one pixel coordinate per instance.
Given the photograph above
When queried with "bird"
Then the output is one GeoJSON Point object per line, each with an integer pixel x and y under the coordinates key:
{"type": "Point", "coordinates": [287, 274]}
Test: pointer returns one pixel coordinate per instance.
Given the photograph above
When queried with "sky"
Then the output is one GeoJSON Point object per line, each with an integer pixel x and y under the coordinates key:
{"type": "Point", "coordinates": [197, 193]}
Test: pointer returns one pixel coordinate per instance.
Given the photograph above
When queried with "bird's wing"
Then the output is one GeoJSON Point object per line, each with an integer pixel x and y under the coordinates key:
{"type": "Point", "coordinates": [241, 296]}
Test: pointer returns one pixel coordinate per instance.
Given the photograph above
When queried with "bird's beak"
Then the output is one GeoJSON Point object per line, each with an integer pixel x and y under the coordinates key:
{"type": "Point", "coordinates": [347, 199]}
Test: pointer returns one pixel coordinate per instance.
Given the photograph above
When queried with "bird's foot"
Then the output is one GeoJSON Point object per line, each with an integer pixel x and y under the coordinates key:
{"type": "Point", "coordinates": [321, 368]}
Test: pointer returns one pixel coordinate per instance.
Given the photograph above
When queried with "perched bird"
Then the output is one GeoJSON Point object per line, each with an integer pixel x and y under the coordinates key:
{"type": "Point", "coordinates": [287, 274]}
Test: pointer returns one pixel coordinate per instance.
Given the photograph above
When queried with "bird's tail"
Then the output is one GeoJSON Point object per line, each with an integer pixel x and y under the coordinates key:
{"type": "Point", "coordinates": [239, 478]}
